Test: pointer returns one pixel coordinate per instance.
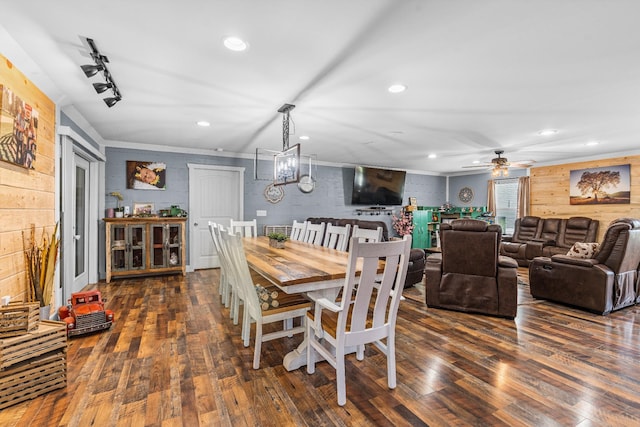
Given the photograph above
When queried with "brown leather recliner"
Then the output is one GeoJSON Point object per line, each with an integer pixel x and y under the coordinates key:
{"type": "Point", "coordinates": [470, 275]}
{"type": "Point", "coordinates": [415, 269]}
{"type": "Point", "coordinates": [608, 281]}
{"type": "Point", "coordinates": [525, 230]}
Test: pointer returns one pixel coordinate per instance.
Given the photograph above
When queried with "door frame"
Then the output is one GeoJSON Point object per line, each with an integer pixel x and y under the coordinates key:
{"type": "Point", "coordinates": [72, 144]}
{"type": "Point", "coordinates": [191, 227]}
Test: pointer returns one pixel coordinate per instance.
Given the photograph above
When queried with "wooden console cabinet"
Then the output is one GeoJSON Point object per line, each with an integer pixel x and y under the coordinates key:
{"type": "Point", "coordinates": [145, 246]}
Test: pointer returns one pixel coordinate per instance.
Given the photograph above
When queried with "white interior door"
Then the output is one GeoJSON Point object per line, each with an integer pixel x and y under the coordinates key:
{"type": "Point", "coordinates": [216, 193]}
{"type": "Point", "coordinates": [80, 221]}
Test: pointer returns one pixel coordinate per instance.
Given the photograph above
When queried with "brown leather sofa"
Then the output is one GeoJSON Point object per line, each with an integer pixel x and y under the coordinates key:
{"type": "Point", "coordinates": [415, 269]}
{"type": "Point", "coordinates": [609, 281]}
{"type": "Point", "coordinates": [470, 275]}
{"type": "Point", "coordinates": [534, 236]}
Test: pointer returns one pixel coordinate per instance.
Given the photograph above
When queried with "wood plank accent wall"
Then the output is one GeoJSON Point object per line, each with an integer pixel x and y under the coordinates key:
{"type": "Point", "coordinates": [550, 193]}
{"type": "Point", "coordinates": [27, 196]}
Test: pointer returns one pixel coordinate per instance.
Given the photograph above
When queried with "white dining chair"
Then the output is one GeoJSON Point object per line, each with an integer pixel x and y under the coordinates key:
{"type": "Point", "coordinates": [246, 228]}
{"type": "Point", "coordinates": [368, 317]}
{"type": "Point", "coordinates": [337, 237]}
{"type": "Point", "coordinates": [314, 233]}
{"type": "Point", "coordinates": [230, 294]}
{"type": "Point", "coordinates": [297, 230]}
{"type": "Point", "coordinates": [287, 307]}
{"type": "Point", "coordinates": [367, 235]}
{"type": "Point", "coordinates": [224, 289]}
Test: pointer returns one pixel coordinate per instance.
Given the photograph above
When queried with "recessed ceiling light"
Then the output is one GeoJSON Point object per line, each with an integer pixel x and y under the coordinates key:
{"type": "Point", "coordinates": [304, 137]}
{"type": "Point", "coordinates": [235, 44]}
{"type": "Point", "coordinates": [475, 162]}
{"type": "Point", "coordinates": [432, 156]}
{"type": "Point", "coordinates": [547, 132]}
{"type": "Point", "coordinates": [397, 88]}
{"type": "Point", "coordinates": [203, 123]}
{"type": "Point", "coordinates": [592, 143]}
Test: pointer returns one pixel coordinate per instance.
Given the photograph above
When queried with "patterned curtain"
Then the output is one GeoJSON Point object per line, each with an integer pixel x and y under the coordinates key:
{"type": "Point", "coordinates": [491, 196]}
{"type": "Point", "coordinates": [524, 198]}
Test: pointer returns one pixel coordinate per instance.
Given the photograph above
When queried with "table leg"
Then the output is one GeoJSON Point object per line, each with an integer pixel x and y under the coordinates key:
{"type": "Point", "coordinates": [298, 357]}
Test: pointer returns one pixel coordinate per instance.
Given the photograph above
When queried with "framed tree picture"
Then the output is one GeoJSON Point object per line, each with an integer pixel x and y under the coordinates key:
{"type": "Point", "coordinates": [600, 186]}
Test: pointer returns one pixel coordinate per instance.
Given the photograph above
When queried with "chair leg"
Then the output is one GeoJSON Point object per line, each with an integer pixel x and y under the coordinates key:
{"type": "Point", "coordinates": [311, 352]}
{"type": "Point", "coordinates": [360, 352]}
{"type": "Point", "coordinates": [246, 327]}
{"type": "Point", "coordinates": [258, 345]}
{"type": "Point", "coordinates": [288, 324]}
{"type": "Point", "coordinates": [340, 377]}
{"type": "Point", "coordinates": [235, 308]}
{"type": "Point", "coordinates": [391, 361]}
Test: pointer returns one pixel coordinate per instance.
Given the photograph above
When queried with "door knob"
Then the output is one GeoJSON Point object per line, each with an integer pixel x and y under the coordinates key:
{"type": "Point", "coordinates": [195, 224]}
{"type": "Point", "coordinates": [77, 236]}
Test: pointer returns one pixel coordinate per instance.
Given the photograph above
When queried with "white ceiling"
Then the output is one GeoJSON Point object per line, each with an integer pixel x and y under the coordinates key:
{"type": "Point", "coordinates": [481, 75]}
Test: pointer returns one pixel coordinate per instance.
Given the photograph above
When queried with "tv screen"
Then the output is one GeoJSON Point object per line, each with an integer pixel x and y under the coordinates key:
{"type": "Point", "coordinates": [373, 186]}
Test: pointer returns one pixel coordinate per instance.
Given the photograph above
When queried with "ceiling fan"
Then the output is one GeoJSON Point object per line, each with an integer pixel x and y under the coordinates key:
{"type": "Point", "coordinates": [500, 165]}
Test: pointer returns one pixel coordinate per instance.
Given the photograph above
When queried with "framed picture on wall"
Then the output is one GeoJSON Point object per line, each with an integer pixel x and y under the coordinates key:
{"type": "Point", "coordinates": [600, 186]}
{"type": "Point", "coordinates": [18, 129]}
{"type": "Point", "coordinates": [146, 175]}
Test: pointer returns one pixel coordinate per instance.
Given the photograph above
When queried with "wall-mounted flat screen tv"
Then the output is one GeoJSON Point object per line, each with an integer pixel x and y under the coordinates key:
{"type": "Point", "coordinates": [373, 186]}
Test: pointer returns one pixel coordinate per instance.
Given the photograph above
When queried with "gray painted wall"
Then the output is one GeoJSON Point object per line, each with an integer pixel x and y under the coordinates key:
{"type": "Point", "coordinates": [478, 183]}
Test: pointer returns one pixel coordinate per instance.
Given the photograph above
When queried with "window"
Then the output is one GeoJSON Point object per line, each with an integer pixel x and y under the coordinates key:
{"type": "Point", "coordinates": [506, 204]}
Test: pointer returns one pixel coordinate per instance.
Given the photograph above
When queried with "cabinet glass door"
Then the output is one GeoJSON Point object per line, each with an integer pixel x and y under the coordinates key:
{"type": "Point", "coordinates": [158, 244]}
{"type": "Point", "coordinates": [136, 247]}
{"type": "Point", "coordinates": [174, 244]}
{"type": "Point", "coordinates": [118, 247]}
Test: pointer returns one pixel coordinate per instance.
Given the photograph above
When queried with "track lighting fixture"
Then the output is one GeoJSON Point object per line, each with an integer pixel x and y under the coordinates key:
{"type": "Point", "coordinates": [101, 87]}
{"type": "Point", "coordinates": [91, 70]}
{"type": "Point", "coordinates": [100, 66]}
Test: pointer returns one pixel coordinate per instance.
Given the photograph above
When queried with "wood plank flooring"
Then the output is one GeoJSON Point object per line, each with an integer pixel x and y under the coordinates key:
{"type": "Point", "coordinates": [174, 358]}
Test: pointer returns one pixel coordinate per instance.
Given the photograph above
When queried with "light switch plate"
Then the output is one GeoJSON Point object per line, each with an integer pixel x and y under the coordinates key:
{"type": "Point", "coordinates": [261, 213]}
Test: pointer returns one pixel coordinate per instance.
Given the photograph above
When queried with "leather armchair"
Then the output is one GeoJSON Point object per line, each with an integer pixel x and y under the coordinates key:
{"type": "Point", "coordinates": [415, 269]}
{"type": "Point", "coordinates": [470, 275]}
{"type": "Point", "coordinates": [609, 281]}
{"type": "Point", "coordinates": [525, 230]}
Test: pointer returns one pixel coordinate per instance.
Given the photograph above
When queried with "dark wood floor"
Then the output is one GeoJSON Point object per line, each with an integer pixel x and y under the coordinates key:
{"type": "Point", "coordinates": [175, 359]}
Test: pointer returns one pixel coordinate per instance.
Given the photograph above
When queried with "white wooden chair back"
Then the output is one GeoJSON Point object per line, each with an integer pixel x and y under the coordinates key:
{"type": "Point", "coordinates": [246, 228]}
{"type": "Point", "coordinates": [314, 233]}
{"type": "Point", "coordinates": [231, 296]}
{"type": "Point", "coordinates": [366, 312]}
{"type": "Point", "coordinates": [367, 235]}
{"type": "Point", "coordinates": [337, 237]}
{"type": "Point", "coordinates": [297, 230]}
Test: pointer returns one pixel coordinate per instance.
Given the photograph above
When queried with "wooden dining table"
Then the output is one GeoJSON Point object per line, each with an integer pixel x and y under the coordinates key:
{"type": "Point", "coordinates": [299, 267]}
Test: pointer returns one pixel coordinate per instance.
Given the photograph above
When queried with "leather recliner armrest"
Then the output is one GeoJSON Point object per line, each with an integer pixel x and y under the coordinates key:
{"type": "Point", "coordinates": [566, 259]}
{"type": "Point", "coordinates": [434, 258]}
{"type": "Point", "coordinates": [505, 261]}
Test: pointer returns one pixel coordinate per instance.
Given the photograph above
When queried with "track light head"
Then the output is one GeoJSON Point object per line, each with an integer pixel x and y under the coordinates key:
{"type": "Point", "coordinates": [101, 87]}
{"type": "Point", "coordinates": [91, 70]}
{"type": "Point", "coordinates": [112, 101]}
